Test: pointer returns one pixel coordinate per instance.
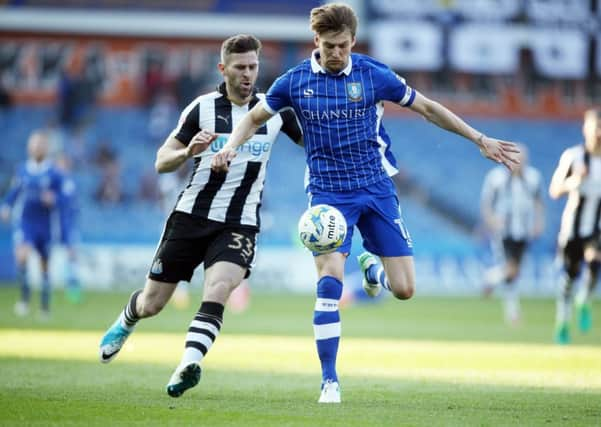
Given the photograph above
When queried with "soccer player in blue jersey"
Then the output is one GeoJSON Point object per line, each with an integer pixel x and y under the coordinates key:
{"type": "Point", "coordinates": [338, 97]}
{"type": "Point", "coordinates": [69, 233]}
{"type": "Point", "coordinates": [34, 190]}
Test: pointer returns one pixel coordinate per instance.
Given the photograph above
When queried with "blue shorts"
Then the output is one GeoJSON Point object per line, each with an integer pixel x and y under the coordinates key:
{"type": "Point", "coordinates": [69, 236]}
{"type": "Point", "coordinates": [377, 215]}
{"type": "Point", "coordinates": [38, 237]}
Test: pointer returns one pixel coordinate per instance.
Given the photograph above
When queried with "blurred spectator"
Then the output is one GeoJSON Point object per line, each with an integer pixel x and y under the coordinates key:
{"type": "Point", "coordinates": [76, 95]}
{"type": "Point", "coordinates": [105, 154]}
{"type": "Point", "coordinates": [110, 189]}
{"type": "Point", "coordinates": [155, 81]}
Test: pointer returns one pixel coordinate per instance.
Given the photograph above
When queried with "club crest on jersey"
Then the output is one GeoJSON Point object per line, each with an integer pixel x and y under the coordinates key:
{"type": "Point", "coordinates": [354, 91]}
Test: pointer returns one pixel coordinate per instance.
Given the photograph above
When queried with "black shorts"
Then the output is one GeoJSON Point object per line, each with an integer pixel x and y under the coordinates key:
{"type": "Point", "coordinates": [189, 241]}
{"type": "Point", "coordinates": [514, 249]}
{"type": "Point", "coordinates": [572, 254]}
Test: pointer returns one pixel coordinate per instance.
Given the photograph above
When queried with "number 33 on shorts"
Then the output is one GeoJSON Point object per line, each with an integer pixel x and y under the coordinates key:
{"type": "Point", "coordinates": [244, 244]}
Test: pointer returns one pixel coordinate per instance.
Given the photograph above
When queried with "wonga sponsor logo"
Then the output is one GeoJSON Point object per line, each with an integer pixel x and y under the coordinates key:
{"type": "Point", "coordinates": [255, 148]}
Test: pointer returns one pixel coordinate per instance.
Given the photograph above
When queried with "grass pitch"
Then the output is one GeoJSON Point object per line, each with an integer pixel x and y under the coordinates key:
{"type": "Point", "coordinates": [424, 362]}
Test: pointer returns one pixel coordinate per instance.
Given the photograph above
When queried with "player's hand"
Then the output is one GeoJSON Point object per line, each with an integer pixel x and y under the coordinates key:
{"type": "Point", "coordinates": [504, 152]}
{"type": "Point", "coordinates": [48, 198]}
{"type": "Point", "coordinates": [200, 142]}
{"type": "Point", "coordinates": [223, 158]}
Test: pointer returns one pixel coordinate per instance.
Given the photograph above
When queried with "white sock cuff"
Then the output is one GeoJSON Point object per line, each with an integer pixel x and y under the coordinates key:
{"type": "Point", "coordinates": [329, 330]}
{"type": "Point", "coordinates": [326, 304]}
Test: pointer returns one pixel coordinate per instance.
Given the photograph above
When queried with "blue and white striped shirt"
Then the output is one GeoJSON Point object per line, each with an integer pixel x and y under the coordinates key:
{"type": "Point", "coordinates": [341, 117]}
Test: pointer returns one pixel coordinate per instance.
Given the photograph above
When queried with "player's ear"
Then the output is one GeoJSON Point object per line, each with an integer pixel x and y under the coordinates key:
{"type": "Point", "coordinates": [353, 42]}
{"type": "Point", "coordinates": [221, 67]}
{"type": "Point", "coordinates": [316, 39]}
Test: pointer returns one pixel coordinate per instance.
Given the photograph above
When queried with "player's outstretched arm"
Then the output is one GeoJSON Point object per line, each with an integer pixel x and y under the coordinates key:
{"type": "Point", "coordinates": [243, 131]}
{"type": "Point", "coordinates": [504, 152]}
{"type": "Point", "coordinates": [173, 153]}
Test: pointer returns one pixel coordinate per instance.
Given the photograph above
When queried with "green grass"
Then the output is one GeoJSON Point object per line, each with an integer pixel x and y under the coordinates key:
{"type": "Point", "coordinates": [425, 362]}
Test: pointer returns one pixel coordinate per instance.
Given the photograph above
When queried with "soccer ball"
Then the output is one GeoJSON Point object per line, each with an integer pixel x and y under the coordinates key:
{"type": "Point", "coordinates": [322, 228]}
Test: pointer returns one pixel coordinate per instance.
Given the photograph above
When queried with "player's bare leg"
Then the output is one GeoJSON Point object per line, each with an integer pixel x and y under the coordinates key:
{"type": "Point", "coordinates": [21, 255]}
{"type": "Point", "coordinates": [142, 303]}
{"type": "Point", "coordinates": [583, 299]}
{"type": "Point", "coordinates": [400, 276]}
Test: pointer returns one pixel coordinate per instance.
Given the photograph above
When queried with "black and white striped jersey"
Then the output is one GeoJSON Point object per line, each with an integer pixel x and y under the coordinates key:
{"type": "Point", "coordinates": [232, 198]}
{"type": "Point", "coordinates": [513, 198]}
{"type": "Point", "coordinates": [582, 214]}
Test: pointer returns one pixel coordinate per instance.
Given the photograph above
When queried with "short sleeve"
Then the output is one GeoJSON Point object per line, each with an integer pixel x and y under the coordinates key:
{"type": "Point", "coordinates": [187, 125]}
{"type": "Point", "coordinates": [392, 87]}
{"type": "Point", "coordinates": [278, 96]}
{"type": "Point", "coordinates": [487, 194]}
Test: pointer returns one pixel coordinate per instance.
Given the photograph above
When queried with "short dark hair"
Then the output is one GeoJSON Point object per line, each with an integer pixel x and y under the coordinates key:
{"type": "Point", "coordinates": [335, 17]}
{"type": "Point", "coordinates": [240, 43]}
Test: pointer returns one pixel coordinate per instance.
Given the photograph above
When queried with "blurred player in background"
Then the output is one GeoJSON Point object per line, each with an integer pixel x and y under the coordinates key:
{"type": "Point", "coordinates": [578, 175]}
{"type": "Point", "coordinates": [69, 233]}
{"type": "Point", "coordinates": [513, 211]}
{"type": "Point", "coordinates": [34, 194]}
{"type": "Point", "coordinates": [338, 98]}
{"type": "Point", "coordinates": [216, 218]}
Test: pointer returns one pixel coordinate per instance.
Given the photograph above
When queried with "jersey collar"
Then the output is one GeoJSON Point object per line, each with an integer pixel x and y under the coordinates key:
{"type": "Point", "coordinates": [34, 167]}
{"type": "Point", "coordinates": [317, 68]}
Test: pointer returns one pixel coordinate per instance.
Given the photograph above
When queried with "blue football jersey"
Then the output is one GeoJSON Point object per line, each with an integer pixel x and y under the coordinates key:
{"type": "Point", "coordinates": [346, 145]}
{"type": "Point", "coordinates": [28, 185]}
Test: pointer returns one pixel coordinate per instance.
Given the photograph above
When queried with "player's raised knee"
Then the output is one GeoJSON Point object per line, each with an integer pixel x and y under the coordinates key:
{"type": "Point", "coordinates": [403, 291]}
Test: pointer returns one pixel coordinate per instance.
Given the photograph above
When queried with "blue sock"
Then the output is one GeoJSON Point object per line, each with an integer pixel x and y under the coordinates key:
{"type": "Point", "coordinates": [326, 325]}
{"type": "Point", "coordinates": [23, 283]}
{"type": "Point", "coordinates": [376, 274]}
{"type": "Point", "coordinates": [45, 292]}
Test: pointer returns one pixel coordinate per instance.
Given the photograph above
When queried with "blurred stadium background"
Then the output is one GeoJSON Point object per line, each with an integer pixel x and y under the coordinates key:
{"type": "Point", "coordinates": [109, 77]}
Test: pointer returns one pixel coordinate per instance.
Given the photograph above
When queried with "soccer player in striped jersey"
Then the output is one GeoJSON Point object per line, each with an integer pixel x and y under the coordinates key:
{"type": "Point", "coordinates": [514, 213]}
{"type": "Point", "coordinates": [339, 100]}
{"type": "Point", "coordinates": [216, 217]}
{"type": "Point", "coordinates": [34, 192]}
{"type": "Point", "coordinates": [578, 175]}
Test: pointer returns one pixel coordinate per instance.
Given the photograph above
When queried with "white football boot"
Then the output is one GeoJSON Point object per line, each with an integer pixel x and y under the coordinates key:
{"type": "Point", "coordinates": [366, 260]}
{"type": "Point", "coordinates": [330, 392]}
